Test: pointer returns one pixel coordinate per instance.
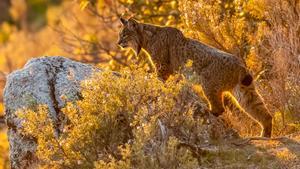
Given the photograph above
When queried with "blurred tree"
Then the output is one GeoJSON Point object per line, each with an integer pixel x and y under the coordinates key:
{"type": "Point", "coordinates": [230, 25]}
{"type": "Point", "coordinates": [18, 12]}
{"type": "Point", "coordinates": [31, 14]}
{"type": "Point", "coordinates": [281, 52]}
{"type": "Point", "coordinates": [159, 12]}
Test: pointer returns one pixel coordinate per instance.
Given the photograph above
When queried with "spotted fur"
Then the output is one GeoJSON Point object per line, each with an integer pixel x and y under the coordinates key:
{"type": "Point", "coordinates": [218, 71]}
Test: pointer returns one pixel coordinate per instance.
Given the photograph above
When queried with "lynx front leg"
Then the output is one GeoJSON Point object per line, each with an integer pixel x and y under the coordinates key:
{"type": "Point", "coordinates": [215, 99]}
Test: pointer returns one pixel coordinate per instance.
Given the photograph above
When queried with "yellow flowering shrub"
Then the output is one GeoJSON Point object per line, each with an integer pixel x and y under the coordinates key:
{"type": "Point", "coordinates": [129, 119]}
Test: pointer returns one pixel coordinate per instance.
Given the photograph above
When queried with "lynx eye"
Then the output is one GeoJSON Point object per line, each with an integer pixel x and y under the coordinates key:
{"type": "Point", "coordinates": [124, 35]}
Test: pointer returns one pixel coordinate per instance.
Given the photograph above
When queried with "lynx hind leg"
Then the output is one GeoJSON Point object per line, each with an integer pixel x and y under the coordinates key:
{"type": "Point", "coordinates": [250, 100]}
{"type": "Point", "coordinates": [215, 99]}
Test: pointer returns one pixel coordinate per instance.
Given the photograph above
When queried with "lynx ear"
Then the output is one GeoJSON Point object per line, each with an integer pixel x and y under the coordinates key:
{"type": "Point", "coordinates": [123, 21]}
{"type": "Point", "coordinates": [132, 23]}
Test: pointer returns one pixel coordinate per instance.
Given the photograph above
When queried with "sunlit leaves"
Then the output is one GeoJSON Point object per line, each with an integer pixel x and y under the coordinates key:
{"type": "Point", "coordinates": [231, 26]}
{"type": "Point", "coordinates": [100, 4]}
{"type": "Point", "coordinates": [156, 12]}
{"type": "Point", "coordinates": [84, 4]}
{"type": "Point", "coordinates": [5, 31]}
{"type": "Point", "coordinates": [114, 123]}
{"type": "Point", "coordinates": [189, 64]}
{"type": "Point", "coordinates": [18, 9]}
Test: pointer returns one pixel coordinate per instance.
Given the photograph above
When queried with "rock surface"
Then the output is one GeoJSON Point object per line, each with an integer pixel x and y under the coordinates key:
{"type": "Point", "coordinates": [51, 81]}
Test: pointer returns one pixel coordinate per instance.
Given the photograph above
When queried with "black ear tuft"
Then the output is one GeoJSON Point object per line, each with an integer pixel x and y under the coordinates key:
{"type": "Point", "coordinates": [123, 21]}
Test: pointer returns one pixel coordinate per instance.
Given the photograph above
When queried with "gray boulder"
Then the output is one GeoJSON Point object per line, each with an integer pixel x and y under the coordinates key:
{"type": "Point", "coordinates": [51, 81]}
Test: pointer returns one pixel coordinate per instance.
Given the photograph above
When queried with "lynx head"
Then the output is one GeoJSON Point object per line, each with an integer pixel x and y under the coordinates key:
{"type": "Point", "coordinates": [130, 35]}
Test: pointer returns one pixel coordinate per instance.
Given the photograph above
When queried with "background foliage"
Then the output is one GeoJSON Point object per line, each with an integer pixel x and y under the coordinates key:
{"type": "Point", "coordinates": [264, 33]}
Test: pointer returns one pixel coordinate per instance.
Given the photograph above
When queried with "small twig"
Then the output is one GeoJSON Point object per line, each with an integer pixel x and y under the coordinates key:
{"type": "Point", "coordinates": [247, 140]}
{"type": "Point", "coordinates": [162, 130]}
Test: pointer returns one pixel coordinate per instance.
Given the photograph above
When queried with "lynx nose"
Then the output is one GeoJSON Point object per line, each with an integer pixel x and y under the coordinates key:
{"type": "Point", "coordinates": [122, 44]}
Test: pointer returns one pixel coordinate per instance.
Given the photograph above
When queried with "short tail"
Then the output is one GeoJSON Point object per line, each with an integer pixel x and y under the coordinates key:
{"type": "Point", "coordinates": [247, 80]}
